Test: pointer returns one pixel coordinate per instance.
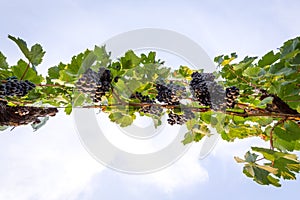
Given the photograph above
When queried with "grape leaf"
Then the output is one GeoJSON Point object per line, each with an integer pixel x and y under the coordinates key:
{"type": "Point", "coordinates": [130, 60]}
{"type": "Point", "coordinates": [287, 137]}
{"type": "Point", "coordinates": [188, 138]}
{"type": "Point", "coordinates": [3, 128]}
{"type": "Point", "coordinates": [34, 56]}
{"type": "Point", "coordinates": [261, 174]}
{"type": "Point", "coordinates": [53, 72]}
{"type": "Point", "coordinates": [22, 45]}
{"type": "Point", "coordinates": [184, 71]}
{"type": "Point", "coordinates": [102, 55]}
{"type": "Point", "coordinates": [68, 109]}
{"type": "Point", "coordinates": [287, 164]}
{"type": "Point", "coordinates": [3, 63]}
{"type": "Point", "coordinates": [265, 101]}
{"type": "Point", "coordinates": [268, 59]}
{"type": "Point", "coordinates": [289, 48]}
{"type": "Point", "coordinates": [254, 72]}
{"type": "Point", "coordinates": [31, 75]}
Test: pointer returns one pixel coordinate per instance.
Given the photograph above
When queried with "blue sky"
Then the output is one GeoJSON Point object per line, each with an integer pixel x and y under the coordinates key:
{"type": "Point", "coordinates": [52, 164]}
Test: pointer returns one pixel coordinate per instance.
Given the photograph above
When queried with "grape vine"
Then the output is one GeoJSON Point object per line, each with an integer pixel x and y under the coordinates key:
{"type": "Point", "coordinates": [251, 98]}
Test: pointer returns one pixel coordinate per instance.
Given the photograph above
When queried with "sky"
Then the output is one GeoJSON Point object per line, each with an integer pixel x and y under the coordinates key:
{"type": "Point", "coordinates": [51, 163]}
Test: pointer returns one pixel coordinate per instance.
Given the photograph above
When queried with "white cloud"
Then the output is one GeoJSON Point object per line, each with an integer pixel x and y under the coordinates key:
{"type": "Point", "coordinates": [184, 173]}
{"type": "Point", "coordinates": [50, 164]}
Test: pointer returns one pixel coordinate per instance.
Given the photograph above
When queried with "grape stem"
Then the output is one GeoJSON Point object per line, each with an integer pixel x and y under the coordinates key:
{"type": "Point", "coordinates": [262, 114]}
{"type": "Point", "coordinates": [272, 130]}
{"type": "Point", "coordinates": [50, 85]}
{"type": "Point", "coordinates": [260, 159]}
{"type": "Point", "coordinates": [24, 73]}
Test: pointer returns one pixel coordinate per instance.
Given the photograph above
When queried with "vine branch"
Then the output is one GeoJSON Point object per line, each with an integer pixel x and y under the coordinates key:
{"type": "Point", "coordinates": [25, 72]}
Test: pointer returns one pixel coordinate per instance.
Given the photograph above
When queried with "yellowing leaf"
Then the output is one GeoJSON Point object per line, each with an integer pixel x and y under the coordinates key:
{"type": "Point", "coordinates": [239, 160]}
{"type": "Point", "coordinates": [269, 169]}
{"type": "Point", "coordinates": [226, 62]}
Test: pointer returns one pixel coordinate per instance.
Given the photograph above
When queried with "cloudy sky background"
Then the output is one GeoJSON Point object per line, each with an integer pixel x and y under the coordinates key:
{"type": "Point", "coordinates": [52, 164]}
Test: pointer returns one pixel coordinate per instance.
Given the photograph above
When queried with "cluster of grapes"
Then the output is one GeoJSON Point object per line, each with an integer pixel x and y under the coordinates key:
{"type": "Point", "coordinates": [103, 84]}
{"type": "Point", "coordinates": [180, 119]}
{"type": "Point", "coordinates": [14, 87]}
{"type": "Point", "coordinates": [22, 115]}
{"type": "Point", "coordinates": [232, 93]}
{"type": "Point", "coordinates": [95, 84]}
{"type": "Point", "coordinates": [170, 93]}
{"type": "Point", "coordinates": [205, 90]}
{"type": "Point", "coordinates": [151, 109]}
{"type": "Point", "coordinates": [209, 93]}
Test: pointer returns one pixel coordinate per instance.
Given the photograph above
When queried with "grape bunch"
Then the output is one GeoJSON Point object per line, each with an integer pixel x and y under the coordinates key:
{"type": "Point", "coordinates": [14, 87]}
{"type": "Point", "coordinates": [87, 83]}
{"type": "Point", "coordinates": [170, 93]}
{"type": "Point", "coordinates": [103, 84]}
{"type": "Point", "coordinates": [151, 109]}
{"type": "Point", "coordinates": [232, 93]}
{"type": "Point", "coordinates": [205, 90]}
{"type": "Point", "coordinates": [22, 115]}
{"type": "Point", "coordinates": [95, 84]}
{"type": "Point", "coordinates": [180, 119]}
{"type": "Point", "coordinates": [199, 87]}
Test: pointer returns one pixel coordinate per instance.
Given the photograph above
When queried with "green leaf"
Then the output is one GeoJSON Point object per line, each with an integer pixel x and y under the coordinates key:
{"type": "Point", "coordinates": [289, 48]}
{"type": "Point", "coordinates": [285, 163]}
{"type": "Point", "coordinates": [87, 63]}
{"type": "Point", "coordinates": [225, 60]}
{"type": "Point", "coordinates": [268, 59]}
{"type": "Point", "coordinates": [278, 69]}
{"type": "Point", "coordinates": [3, 63]}
{"type": "Point", "coordinates": [246, 63]}
{"type": "Point", "coordinates": [156, 120]}
{"type": "Point", "coordinates": [115, 116]}
{"type": "Point", "coordinates": [239, 120]}
{"type": "Point", "coordinates": [185, 72]}
{"type": "Point", "coordinates": [102, 56]}
{"type": "Point", "coordinates": [148, 59]}
{"type": "Point", "coordinates": [268, 168]}
{"type": "Point", "coordinates": [22, 45]}
{"type": "Point", "coordinates": [285, 145]}
{"type": "Point", "coordinates": [125, 120]}
{"type": "Point", "coordinates": [151, 57]}
{"type": "Point", "coordinates": [263, 121]}
{"type": "Point", "coordinates": [31, 75]}
{"type": "Point", "coordinates": [254, 72]}
{"type": "Point", "coordinates": [262, 174]}
{"type": "Point", "coordinates": [130, 60]}
{"type": "Point", "coordinates": [242, 131]}
{"type": "Point", "coordinates": [3, 128]}
{"type": "Point", "coordinates": [266, 101]}
{"type": "Point", "coordinates": [53, 72]}
{"type": "Point", "coordinates": [79, 99]}
{"type": "Point", "coordinates": [68, 109]}
{"type": "Point", "coordinates": [36, 54]}
{"type": "Point", "coordinates": [5, 74]}
{"type": "Point", "coordinates": [290, 131]}
{"type": "Point", "coordinates": [188, 138]}
{"type": "Point", "coordinates": [250, 157]}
